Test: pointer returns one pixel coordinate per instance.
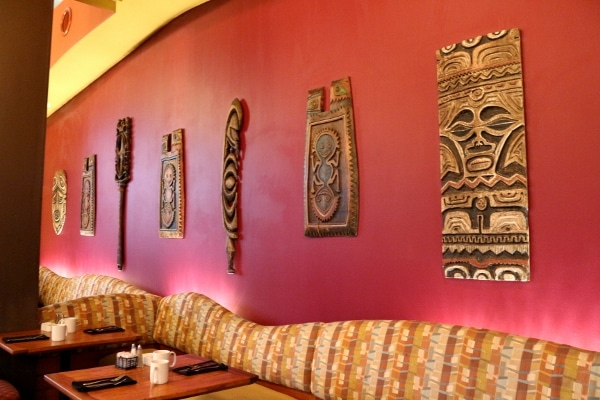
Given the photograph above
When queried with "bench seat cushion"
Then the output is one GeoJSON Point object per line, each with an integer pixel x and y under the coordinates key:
{"type": "Point", "coordinates": [249, 392]}
{"type": "Point", "coordinates": [8, 391]}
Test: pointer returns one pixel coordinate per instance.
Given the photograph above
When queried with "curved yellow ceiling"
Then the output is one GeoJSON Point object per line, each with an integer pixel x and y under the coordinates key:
{"type": "Point", "coordinates": [108, 43]}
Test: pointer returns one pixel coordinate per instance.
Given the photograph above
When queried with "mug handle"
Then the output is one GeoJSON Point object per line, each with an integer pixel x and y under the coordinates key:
{"type": "Point", "coordinates": [174, 359]}
{"type": "Point", "coordinates": [154, 375]}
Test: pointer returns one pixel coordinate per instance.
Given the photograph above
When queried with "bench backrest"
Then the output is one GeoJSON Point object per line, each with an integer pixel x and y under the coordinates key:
{"type": "Point", "coordinates": [419, 360]}
{"type": "Point", "coordinates": [193, 323]}
{"type": "Point", "coordinates": [134, 312]}
{"type": "Point", "coordinates": [54, 288]}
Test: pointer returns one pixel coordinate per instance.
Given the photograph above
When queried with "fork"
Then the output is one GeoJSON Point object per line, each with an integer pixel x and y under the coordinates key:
{"type": "Point", "coordinates": [105, 381]}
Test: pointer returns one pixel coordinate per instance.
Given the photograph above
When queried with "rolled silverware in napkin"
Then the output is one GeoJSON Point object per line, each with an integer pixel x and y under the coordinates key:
{"type": "Point", "coordinates": [105, 380]}
{"type": "Point", "coordinates": [97, 384]}
{"type": "Point", "coordinates": [104, 329]}
{"type": "Point", "coordinates": [26, 338]}
{"type": "Point", "coordinates": [200, 368]}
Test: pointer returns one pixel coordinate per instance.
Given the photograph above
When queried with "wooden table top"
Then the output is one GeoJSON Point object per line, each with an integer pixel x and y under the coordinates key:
{"type": "Point", "coordinates": [177, 387]}
{"type": "Point", "coordinates": [76, 340]}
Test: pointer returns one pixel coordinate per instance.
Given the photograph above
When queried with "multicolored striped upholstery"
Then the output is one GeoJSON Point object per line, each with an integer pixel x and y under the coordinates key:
{"type": "Point", "coordinates": [189, 322]}
{"type": "Point", "coordinates": [279, 354]}
{"type": "Point", "coordinates": [419, 360]}
{"type": "Point", "coordinates": [135, 312]}
{"type": "Point", "coordinates": [371, 359]}
{"type": "Point", "coordinates": [54, 288]}
{"type": "Point", "coordinates": [195, 324]}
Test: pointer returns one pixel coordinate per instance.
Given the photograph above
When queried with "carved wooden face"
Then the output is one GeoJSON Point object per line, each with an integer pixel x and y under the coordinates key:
{"type": "Point", "coordinates": [167, 204]}
{"type": "Point", "coordinates": [325, 163]}
{"type": "Point", "coordinates": [483, 160]}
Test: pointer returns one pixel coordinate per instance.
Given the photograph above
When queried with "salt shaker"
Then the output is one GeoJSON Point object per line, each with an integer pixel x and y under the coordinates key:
{"type": "Point", "coordinates": [133, 349]}
{"type": "Point", "coordinates": [140, 356]}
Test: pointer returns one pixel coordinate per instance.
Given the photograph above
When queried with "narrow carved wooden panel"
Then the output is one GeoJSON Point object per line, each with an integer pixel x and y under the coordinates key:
{"type": "Point", "coordinates": [88, 197]}
{"type": "Point", "coordinates": [330, 165]}
{"type": "Point", "coordinates": [483, 158]}
{"type": "Point", "coordinates": [172, 196]}
{"type": "Point", "coordinates": [122, 177]}
{"type": "Point", "coordinates": [59, 200]}
{"type": "Point", "coordinates": [230, 184]}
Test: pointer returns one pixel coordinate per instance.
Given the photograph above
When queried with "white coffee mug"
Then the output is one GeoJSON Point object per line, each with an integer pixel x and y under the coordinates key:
{"type": "Point", "coordinates": [159, 372]}
{"type": "Point", "coordinates": [47, 326]}
{"type": "Point", "coordinates": [59, 332]}
{"type": "Point", "coordinates": [70, 322]}
{"type": "Point", "coordinates": [147, 358]}
{"type": "Point", "coordinates": [164, 355]}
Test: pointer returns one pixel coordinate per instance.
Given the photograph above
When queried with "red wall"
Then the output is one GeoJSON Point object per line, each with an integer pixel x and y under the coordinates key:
{"type": "Point", "coordinates": [269, 54]}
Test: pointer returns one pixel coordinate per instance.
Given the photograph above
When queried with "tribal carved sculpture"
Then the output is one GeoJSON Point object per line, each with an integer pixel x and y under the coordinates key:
{"type": "Point", "coordinates": [172, 199]}
{"type": "Point", "coordinates": [122, 177]}
{"type": "Point", "coordinates": [88, 197]}
{"type": "Point", "coordinates": [330, 165]}
{"type": "Point", "coordinates": [483, 159]}
{"type": "Point", "coordinates": [230, 185]}
{"type": "Point", "coordinates": [59, 200]}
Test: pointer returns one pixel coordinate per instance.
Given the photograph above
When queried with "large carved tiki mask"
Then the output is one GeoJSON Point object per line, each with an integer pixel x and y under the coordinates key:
{"type": "Point", "coordinates": [330, 167]}
{"type": "Point", "coordinates": [483, 159]}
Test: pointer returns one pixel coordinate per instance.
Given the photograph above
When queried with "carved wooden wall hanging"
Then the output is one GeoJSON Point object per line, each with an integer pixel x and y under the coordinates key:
{"type": "Point", "coordinates": [330, 165]}
{"type": "Point", "coordinates": [59, 200]}
{"type": "Point", "coordinates": [88, 197]}
{"type": "Point", "coordinates": [230, 185]}
{"type": "Point", "coordinates": [122, 177]}
{"type": "Point", "coordinates": [172, 196]}
{"type": "Point", "coordinates": [483, 158]}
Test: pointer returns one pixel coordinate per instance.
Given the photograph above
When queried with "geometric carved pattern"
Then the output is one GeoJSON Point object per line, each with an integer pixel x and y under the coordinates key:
{"type": "Point", "coordinates": [172, 199]}
{"type": "Point", "coordinates": [330, 167]}
{"type": "Point", "coordinates": [59, 200]}
{"type": "Point", "coordinates": [230, 183]}
{"type": "Point", "coordinates": [483, 161]}
{"type": "Point", "coordinates": [88, 197]}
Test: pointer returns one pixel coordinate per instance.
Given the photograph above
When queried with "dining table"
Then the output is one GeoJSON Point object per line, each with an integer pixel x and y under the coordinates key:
{"type": "Point", "coordinates": [178, 385]}
{"type": "Point", "coordinates": [35, 358]}
{"type": "Point", "coordinates": [73, 341]}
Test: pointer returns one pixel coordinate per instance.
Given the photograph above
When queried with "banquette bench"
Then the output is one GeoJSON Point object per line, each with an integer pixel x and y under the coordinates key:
{"type": "Point", "coordinates": [54, 288]}
{"type": "Point", "coordinates": [361, 359]}
{"type": "Point", "coordinates": [377, 359]}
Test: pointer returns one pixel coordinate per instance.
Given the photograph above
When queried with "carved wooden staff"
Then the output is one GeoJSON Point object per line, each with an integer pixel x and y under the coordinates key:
{"type": "Point", "coordinates": [122, 176]}
{"type": "Point", "coordinates": [230, 179]}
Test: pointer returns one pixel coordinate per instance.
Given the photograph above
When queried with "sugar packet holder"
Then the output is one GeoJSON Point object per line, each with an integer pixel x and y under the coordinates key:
{"type": "Point", "coordinates": [126, 360]}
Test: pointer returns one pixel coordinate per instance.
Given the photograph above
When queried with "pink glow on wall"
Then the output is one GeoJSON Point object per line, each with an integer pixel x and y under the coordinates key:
{"type": "Point", "coordinates": [269, 54]}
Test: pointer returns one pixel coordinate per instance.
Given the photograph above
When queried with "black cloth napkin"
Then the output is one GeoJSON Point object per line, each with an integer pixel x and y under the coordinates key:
{"type": "Point", "coordinates": [26, 338]}
{"type": "Point", "coordinates": [97, 384]}
{"type": "Point", "coordinates": [200, 368]}
{"type": "Point", "coordinates": [104, 329]}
